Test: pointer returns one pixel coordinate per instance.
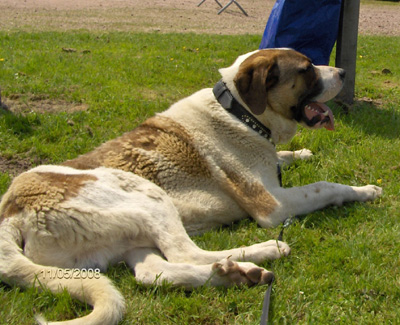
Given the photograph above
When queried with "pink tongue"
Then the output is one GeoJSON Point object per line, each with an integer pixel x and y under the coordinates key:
{"type": "Point", "coordinates": [315, 109]}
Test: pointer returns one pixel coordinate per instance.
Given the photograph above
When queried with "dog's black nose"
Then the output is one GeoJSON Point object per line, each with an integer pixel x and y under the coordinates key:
{"type": "Point", "coordinates": [342, 74]}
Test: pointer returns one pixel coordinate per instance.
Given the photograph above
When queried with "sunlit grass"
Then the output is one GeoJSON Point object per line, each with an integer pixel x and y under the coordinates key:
{"type": "Point", "coordinates": [344, 262]}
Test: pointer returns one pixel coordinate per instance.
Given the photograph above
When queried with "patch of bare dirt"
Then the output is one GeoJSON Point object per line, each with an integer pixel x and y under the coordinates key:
{"type": "Point", "coordinates": [40, 104]}
{"type": "Point", "coordinates": [380, 19]}
{"type": "Point", "coordinates": [14, 166]}
{"type": "Point", "coordinates": [167, 16]}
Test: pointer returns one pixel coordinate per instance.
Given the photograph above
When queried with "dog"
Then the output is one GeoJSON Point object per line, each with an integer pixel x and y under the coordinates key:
{"type": "Point", "coordinates": [209, 160]}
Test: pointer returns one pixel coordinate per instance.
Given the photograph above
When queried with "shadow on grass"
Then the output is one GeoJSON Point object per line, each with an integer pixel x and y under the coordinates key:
{"type": "Point", "coordinates": [370, 118]}
{"type": "Point", "coordinates": [349, 216]}
{"type": "Point", "coordinates": [19, 124]}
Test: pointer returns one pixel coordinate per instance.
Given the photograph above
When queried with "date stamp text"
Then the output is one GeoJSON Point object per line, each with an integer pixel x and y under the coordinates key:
{"type": "Point", "coordinates": [51, 274]}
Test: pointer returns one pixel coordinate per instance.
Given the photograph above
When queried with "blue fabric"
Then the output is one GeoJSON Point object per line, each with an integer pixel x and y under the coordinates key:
{"type": "Point", "coordinates": [308, 26]}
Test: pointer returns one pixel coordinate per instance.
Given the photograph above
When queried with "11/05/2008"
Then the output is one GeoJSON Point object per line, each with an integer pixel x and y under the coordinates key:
{"type": "Point", "coordinates": [69, 274]}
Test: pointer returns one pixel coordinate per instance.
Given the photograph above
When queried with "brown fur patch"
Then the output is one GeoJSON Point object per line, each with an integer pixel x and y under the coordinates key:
{"type": "Point", "coordinates": [251, 196]}
{"type": "Point", "coordinates": [9, 207]}
{"type": "Point", "coordinates": [41, 191]}
{"type": "Point", "coordinates": [154, 146]}
{"type": "Point", "coordinates": [256, 75]}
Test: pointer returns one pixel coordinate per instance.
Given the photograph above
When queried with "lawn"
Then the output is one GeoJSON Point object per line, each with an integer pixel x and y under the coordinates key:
{"type": "Point", "coordinates": [344, 262]}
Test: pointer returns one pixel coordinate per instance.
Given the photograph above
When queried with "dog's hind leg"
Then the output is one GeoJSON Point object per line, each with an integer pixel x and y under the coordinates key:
{"type": "Point", "coordinates": [160, 225]}
{"type": "Point", "coordinates": [177, 247]}
{"type": "Point", "coordinates": [165, 229]}
{"type": "Point", "coordinates": [151, 268]}
{"type": "Point", "coordinates": [185, 251]}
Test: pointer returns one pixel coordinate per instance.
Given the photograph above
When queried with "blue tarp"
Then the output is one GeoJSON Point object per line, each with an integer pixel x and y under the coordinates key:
{"type": "Point", "coordinates": [308, 26]}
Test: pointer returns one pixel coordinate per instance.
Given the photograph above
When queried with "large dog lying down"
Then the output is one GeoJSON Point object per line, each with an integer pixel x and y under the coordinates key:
{"type": "Point", "coordinates": [213, 154]}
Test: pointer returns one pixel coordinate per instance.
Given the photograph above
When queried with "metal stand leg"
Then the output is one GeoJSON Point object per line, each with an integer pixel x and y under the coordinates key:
{"type": "Point", "coordinates": [205, 0]}
{"type": "Point", "coordinates": [233, 1]}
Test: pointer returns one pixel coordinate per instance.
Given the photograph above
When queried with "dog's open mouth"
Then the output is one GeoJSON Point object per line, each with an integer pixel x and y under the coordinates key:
{"type": "Point", "coordinates": [319, 115]}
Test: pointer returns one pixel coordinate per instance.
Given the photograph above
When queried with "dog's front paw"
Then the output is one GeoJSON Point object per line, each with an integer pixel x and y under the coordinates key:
{"type": "Point", "coordinates": [266, 251]}
{"type": "Point", "coordinates": [276, 249]}
{"type": "Point", "coordinates": [283, 249]}
{"type": "Point", "coordinates": [369, 192]}
{"type": "Point", "coordinates": [240, 273]}
{"type": "Point", "coordinates": [303, 154]}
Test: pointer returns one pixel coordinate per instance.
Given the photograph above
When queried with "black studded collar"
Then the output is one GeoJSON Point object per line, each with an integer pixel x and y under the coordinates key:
{"type": "Point", "coordinates": [230, 103]}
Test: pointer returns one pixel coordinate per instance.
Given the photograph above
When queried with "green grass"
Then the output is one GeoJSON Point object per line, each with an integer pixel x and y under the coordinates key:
{"type": "Point", "coordinates": [344, 262]}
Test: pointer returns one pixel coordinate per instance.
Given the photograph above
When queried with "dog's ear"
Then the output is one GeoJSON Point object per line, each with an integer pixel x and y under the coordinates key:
{"type": "Point", "coordinates": [253, 81]}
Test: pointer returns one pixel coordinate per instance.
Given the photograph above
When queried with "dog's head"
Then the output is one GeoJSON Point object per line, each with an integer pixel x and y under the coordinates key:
{"type": "Point", "coordinates": [286, 82]}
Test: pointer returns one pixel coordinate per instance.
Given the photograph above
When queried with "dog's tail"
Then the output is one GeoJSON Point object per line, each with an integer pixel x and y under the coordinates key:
{"type": "Point", "coordinates": [16, 268]}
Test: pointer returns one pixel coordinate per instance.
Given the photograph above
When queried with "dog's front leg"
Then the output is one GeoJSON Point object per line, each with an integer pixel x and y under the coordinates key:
{"type": "Point", "coordinates": [287, 157]}
{"type": "Point", "coordinates": [305, 199]}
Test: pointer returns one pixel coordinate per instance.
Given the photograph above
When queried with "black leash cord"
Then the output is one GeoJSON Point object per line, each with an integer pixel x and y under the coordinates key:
{"type": "Point", "coordinates": [267, 296]}
{"type": "Point", "coordinates": [265, 307]}
{"type": "Point", "coordinates": [286, 224]}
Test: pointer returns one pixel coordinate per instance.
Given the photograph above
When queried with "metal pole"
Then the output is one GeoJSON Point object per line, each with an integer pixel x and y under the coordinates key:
{"type": "Point", "coordinates": [346, 47]}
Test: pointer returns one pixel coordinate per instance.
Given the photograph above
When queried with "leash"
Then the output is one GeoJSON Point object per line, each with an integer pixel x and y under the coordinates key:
{"type": "Point", "coordinates": [267, 296]}
{"type": "Point", "coordinates": [285, 225]}
{"type": "Point", "coordinates": [265, 307]}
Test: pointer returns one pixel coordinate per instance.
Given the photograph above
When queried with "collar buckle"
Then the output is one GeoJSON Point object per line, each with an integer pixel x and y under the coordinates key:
{"type": "Point", "coordinates": [223, 95]}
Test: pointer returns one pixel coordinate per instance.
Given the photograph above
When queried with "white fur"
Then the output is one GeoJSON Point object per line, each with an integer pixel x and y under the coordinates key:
{"type": "Point", "coordinates": [331, 83]}
{"type": "Point", "coordinates": [118, 217]}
